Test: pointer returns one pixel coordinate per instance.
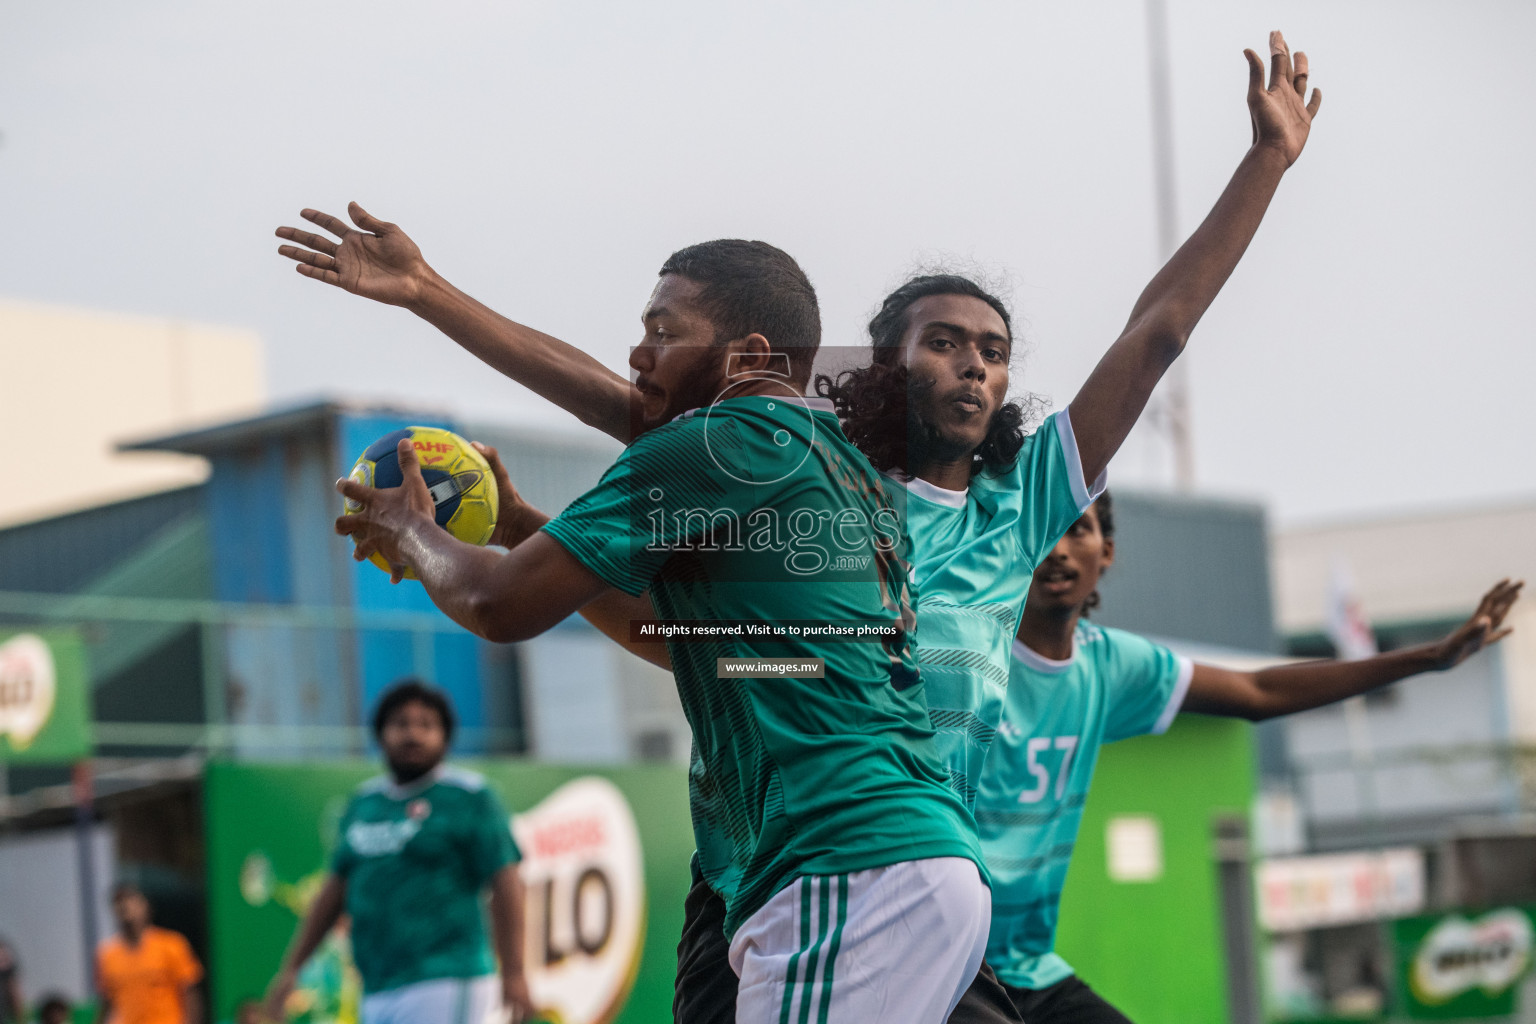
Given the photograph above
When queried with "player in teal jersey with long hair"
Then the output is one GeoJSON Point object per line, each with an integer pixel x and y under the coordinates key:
{"type": "Point", "coordinates": [983, 503]}
{"type": "Point", "coordinates": [1075, 686]}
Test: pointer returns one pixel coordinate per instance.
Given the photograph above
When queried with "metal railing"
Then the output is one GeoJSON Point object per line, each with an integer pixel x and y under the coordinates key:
{"type": "Point", "coordinates": [271, 680]}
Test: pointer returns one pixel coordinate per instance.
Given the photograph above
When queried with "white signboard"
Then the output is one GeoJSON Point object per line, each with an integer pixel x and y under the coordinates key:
{"type": "Point", "coordinates": [1458, 955]}
{"type": "Point", "coordinates": [26, 688]}
{"type": "Point", "coordinates": [1297, 893]}
{"type": "Point", "coordinates": [585, 885]}
{"type": "Point", "coordinates": [1135, 846]}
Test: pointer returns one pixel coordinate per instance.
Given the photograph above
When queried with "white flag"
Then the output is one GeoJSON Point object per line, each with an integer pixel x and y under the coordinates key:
{"type": "Point", "coordinates": [1347, 626]}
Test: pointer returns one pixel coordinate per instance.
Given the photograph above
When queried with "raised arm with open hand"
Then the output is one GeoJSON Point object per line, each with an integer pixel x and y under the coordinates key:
{"type": "Point", "coordinates": [1113, 397]}
{"type": "Point", "coordinates": [1281, 116]}
{"type": "Point", "coordinates": [379, 261]}
{"type": "Point", "coordinates": [1284, 689]}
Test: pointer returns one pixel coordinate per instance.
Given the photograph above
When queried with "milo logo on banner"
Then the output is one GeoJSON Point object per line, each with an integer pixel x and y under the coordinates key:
{"type": "Point", "coordinates": [1458, 955]}
{"type": "Point", "coordinates": [27, 689]}
{"type": "Point", "coordinates": [585, 884]}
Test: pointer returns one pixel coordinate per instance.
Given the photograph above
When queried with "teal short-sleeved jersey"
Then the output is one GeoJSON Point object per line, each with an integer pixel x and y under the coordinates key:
{"type": "Point", "coordinates": [1030, 802]}
{"type": "Point", "coordinates": [974, 553]}
{"type": "Point", "coordinates": [416, 859]}
{"type": "Point", "coordinates": [757, 511]}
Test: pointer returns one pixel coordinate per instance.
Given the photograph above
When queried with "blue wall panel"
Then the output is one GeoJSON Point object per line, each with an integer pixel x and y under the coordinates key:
{"type": "Point", "coordinates": [456, 668]}
{"type": "Point", "coordinates": [271, 506]}
{"type": "Point", "coordinates": [249, 526]}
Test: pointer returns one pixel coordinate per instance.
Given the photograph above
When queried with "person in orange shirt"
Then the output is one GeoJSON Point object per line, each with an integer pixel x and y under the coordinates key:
{"type": "Point", "coordinates": [144, 974]}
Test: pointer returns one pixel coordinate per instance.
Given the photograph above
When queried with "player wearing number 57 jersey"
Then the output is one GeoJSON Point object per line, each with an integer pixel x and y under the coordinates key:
{"type": "Point", "coordinates": [1075, 686]}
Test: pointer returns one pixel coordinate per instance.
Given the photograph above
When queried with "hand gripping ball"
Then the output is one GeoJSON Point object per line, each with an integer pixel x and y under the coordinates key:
{"type": "Point", "coordinates": [461, 482]}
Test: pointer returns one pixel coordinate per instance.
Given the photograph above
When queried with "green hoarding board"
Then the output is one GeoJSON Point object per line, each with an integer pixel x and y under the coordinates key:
{"type": "Point", "coordinates": [606, 868]}
{"type": "Point", "coordinates": [1463, 965]}
{"type": "Point", "coordinates": [1152, 945]}
{"type": "Point", "coordinates": [44, 697]}
{"type": "Point", "coordinates": [1151, 940]}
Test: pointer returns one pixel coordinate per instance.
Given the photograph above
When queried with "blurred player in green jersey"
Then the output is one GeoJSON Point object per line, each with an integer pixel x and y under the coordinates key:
{"type": "Point", "coordinates": [415, 851]}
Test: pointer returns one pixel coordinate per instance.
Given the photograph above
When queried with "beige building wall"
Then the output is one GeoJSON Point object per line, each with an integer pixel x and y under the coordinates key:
{"type": "Point", "coordinates": [81, 382]}
{"type": "Point", "coordinates": [1405, 568]}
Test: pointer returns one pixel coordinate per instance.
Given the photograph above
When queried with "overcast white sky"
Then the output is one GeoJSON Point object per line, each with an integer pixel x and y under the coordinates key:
{"type": "Point", "coordinates": [1372, 353]}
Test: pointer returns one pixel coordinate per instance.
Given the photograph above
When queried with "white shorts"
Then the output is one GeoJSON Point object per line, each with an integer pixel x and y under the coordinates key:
{"type": "Point", "coordinates": [897, 945]}
{"type": "Point", "coordinates": [438, 1001]}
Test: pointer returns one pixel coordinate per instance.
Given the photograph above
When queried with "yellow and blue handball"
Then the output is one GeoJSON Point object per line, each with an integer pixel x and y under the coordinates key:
{"type": "Point", "coordinates": [461, 483]}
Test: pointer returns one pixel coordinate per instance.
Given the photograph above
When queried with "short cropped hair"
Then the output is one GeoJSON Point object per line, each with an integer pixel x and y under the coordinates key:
{"type": "Point", "coordinates": [754, 288]}
{"type": "Point", "coordinates": [409, 691]}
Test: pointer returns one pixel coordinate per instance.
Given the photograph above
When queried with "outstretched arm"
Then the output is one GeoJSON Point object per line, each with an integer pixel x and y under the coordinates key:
{"type": "Point", "coordinates": [1115, 393]}
{"type": "Point", "coordinates": [322, 917]}
{"type": "Point", "coordinates": [1284, 689]}
{"type": "Point", "coordinates": [507, 924]}
{"type": "Point", "coordinates": [381, 262]}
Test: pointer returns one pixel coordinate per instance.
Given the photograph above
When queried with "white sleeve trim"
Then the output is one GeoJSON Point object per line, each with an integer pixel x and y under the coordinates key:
{"type": "Point", "coordinates": [1176, 698]}
{"type": "Point", "coordinates": [1081, 492]}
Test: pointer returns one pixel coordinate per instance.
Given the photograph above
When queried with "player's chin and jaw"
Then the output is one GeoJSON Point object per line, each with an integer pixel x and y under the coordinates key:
{"type": "Point", "coordinates": [411, 758]}
{"type": "Point", "coordinates": [946, 428]}
{"type": "Point", "coordinates": [672, 380]}
{"type": "Point", "coordinates": [1049, 592]}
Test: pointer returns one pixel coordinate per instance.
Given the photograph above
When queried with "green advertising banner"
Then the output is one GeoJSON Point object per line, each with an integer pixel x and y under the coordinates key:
{"type": "Point", "coordinates": [44, 706]}
{"type": "Point", "coordinates": [1463, 965]}
{"type": "Point", "coordinates": [606, 854]}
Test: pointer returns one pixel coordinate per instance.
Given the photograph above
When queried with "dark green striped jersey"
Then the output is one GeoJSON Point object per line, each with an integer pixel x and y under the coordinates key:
{"type": "Point", "coordinates": [416, 859]}
{"type": "Point", "coordinates": [757, 517]}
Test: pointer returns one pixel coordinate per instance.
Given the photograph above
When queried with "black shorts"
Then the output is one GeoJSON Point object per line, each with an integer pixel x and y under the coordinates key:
{"type": "Point", "coordinates": [705, 989]}
{"type": "Point", "coordinates": [1069, 1001]}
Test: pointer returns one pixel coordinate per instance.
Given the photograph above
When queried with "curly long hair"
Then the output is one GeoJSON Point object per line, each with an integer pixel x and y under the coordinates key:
{"type": "Point", "coordinates": [1104, 508]}
{"type": "Point", "coordinates": [873, 402]}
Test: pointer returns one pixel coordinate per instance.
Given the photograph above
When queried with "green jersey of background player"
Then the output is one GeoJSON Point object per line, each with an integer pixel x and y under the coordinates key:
{"type": "Point", "coordinates": [415, 850]}
{"type": "Point", "coordinates": [743, 503]}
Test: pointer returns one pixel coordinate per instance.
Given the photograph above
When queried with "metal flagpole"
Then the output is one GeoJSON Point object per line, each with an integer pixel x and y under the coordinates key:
{"type": "Point", "coordinates": [84, 800]}
{"type": "Point", "coordinates": [1174, 412]}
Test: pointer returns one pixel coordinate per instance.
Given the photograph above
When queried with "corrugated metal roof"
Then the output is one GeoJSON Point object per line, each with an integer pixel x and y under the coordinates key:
{"type": "Point", "coordinates": [64, 555]}
{"type": "Point", "coordinates": [295, 419]}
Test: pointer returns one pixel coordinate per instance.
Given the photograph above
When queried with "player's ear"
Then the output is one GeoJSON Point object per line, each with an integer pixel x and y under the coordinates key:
{"type": "Point", "coordinates": [753, 356]}
{"type": "Point", "coordinates": [1108, 558]}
